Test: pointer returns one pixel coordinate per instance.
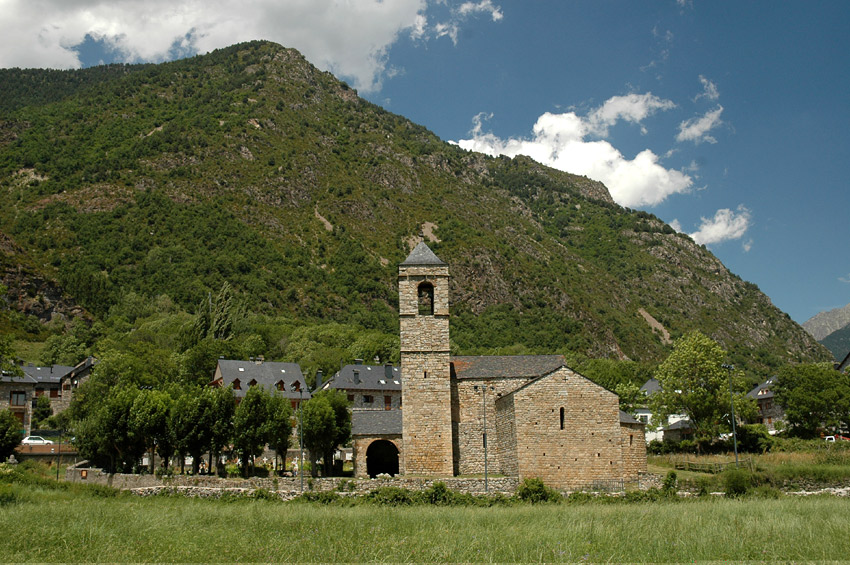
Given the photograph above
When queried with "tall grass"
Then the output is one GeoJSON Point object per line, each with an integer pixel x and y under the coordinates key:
{"type": "Point", "coordinates": [60, 525]}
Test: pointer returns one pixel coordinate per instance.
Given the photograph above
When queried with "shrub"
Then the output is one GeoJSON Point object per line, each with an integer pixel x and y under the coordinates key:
{"type": "Point", "coordinates": [264, 494]}
{"type": "Point", "coordinates": [703, 485]}
{"type": "Point", "coordinates": [533, 490]}
{"type": "Point", "coordinates": [7, 496]}
{"type": "Point", "coordinates": [737, 482]}
{"type": "Point", "coordinates": [670, 484]}
{"type": "Point", "coordinates": [323, 497]}
{"type": "Point", "coordinates": [390, 496]}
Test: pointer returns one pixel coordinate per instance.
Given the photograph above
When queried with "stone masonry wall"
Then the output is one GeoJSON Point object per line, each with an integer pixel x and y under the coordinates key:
{"type": "Point", "coordinates": [425, 373]}
{"type": "Point", "coordinates": [426, 416]}
{"type": "Point", "coordinates": [634, 451]}
{"type": "Point", "coordinates": [586, 450]}
{"type": "Point", "coordinates": [506, 441]}
{"type": "Point", "coordinates": [469, 414]}
{"type": "Point", "coordinates": [504, 485]}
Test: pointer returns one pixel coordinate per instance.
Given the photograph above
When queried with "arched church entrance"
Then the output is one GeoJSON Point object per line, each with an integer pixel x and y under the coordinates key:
{"type": "Point", "coordinates": [381, 457]}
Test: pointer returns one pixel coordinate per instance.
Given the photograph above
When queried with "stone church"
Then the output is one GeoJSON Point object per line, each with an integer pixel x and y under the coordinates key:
{"type": "Point", "coordinates": [531, 415]}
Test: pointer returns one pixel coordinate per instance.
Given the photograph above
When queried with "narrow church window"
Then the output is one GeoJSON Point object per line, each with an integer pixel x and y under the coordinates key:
{"type": "Point", "coordinates": [426, 299]}
{"type": "Point", "coordinates": [562, 417]}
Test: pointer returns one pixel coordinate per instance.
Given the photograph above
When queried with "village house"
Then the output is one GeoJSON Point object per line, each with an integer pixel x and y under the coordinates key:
{"type": "Point", "coordinates": [275, 377]}
{"type": "Point", "coordinates": [368, 387]}
{"type": "Point", "coordinates": [520, 416]}
{"type": "Point", "coordinates": [769, 412]}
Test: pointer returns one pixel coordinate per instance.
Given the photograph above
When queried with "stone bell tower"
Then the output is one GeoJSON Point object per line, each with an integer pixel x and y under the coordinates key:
{"type": "Point", "coordinates": [423, 297]}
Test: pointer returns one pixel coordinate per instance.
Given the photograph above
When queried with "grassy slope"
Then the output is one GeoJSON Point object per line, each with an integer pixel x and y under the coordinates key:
{"type": "Point", "coordinates": [173, 178]}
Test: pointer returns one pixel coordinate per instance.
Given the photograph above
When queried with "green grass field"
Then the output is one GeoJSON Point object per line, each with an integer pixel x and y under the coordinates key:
{"type": "Point", "coordinates": [74, 525]}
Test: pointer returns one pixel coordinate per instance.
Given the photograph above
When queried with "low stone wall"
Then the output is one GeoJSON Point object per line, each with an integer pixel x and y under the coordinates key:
{"type": "Point", "coordinates": [84, 474]}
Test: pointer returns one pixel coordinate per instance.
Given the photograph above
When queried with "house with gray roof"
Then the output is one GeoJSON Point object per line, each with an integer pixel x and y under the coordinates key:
{"type": "Point", "coordinates": [275, 377]}
{"type": "Point", "coordinates": [769, 412]}
{"type": "Point", "coordinates": [368, 387]}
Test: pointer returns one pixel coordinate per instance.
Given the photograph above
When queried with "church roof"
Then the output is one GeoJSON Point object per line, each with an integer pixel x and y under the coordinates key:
{"type": "Point", "coordinates": [626, 418]}
{"type": "Point", "coordinates": [422, 255]}
{"type": "Point", "coordinates": [375, 422]}
{"type": "Point", "coordinates": [505, 366]}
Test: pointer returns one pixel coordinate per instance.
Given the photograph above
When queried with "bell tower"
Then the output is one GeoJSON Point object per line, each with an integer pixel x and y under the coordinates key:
{"type": "Point", "coordinates": [423, 297]}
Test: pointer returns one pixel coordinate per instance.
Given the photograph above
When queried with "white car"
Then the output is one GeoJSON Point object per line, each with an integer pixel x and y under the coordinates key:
{"type": "Point", "coordinates": [35, 440]}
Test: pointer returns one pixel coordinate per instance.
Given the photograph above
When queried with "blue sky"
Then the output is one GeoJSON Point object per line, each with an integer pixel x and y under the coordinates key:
{"type": "Point", "coordinates": [728, 120]}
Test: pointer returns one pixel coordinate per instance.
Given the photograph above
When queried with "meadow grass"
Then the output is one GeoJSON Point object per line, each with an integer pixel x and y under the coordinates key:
{"type": "Point", "coordinates": [53, 525]}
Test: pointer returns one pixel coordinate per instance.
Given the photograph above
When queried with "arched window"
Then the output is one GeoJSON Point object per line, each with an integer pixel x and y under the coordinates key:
{"type": "Point", "coordinates": [426, 299]}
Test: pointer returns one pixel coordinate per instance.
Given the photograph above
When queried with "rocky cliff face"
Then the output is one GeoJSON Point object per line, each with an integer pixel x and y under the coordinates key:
{"type": "Point", "coordinates": [822, 324]}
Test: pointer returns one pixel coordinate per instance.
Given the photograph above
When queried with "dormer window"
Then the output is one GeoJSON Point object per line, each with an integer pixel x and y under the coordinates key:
{"type": "Point", "coordinates": [280, 385]}
{"type": "Point", "coordinates": [252, 383]}
{"type": "Point", "coordinates": [426, 299]}
{"type": "Point", "coordinates": [297, 386]}
{"type": "Point", "coordinates": [237, 385]}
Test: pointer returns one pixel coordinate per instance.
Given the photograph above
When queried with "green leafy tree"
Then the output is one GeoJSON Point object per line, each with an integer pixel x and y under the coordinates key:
{"type": "Point", "coordinates": [318, 422]}
{"type": "Point", "coordinates": [223, 408]}
{"type": "Point", "coordinates": [149, 417]}
{"type": "Point", "coordinates": [192, 424]}
{"type": "Point", "coordinates": [63, 350]}
{"type": "Point", "coordinates": [327, 424]}
{"type": "Point", "coordinates": [7, 357]}
{"type": "Point", "coordinates": [279, 426]}
{"type": "Point", "coordinates": [814, 396]}
{"type": "Point", "coordinates": [104, 435]}
{"type": "Point", "coordinates": [249, 426]}
{"type": "Point", "coordinates": [42, 410]}
{"type": "Point", "coordinates": [694, 382]}
{"type": "Point", "coordinates": [10, 434]}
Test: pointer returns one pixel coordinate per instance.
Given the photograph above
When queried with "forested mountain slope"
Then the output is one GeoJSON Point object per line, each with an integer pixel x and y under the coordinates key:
{"type": "Point", "coordinates": [250, 166]}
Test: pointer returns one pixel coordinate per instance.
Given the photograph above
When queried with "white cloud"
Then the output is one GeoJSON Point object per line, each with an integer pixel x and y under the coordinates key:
{"type": "Point", "coordinates": [845, 279]}
{"type": "Point", "coordinates": [560, 141]}
{"type": "Point", "coordinates": [632, 108]}
{"type": "Point", "coordinates": [724, 226]}
{"type": "Point", "coordinates": [485, 6]}
{"type": "Point", "coordinates": [709, 90]}
{"type": "Point", "coordinates": [697, 129]}
{"type": "Point", "coordinates": [350, 38]}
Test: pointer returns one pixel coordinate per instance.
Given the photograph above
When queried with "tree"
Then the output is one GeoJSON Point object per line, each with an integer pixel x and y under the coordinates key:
{"type": "Point", "coordinates": [192, 424]}
{"type": "Point", "coordinates": [327, 424]}
{"type": "Point", "coordinates": [814, 396]}
{"type": "Point", "coordinates": [7, 358]}
{"type": "Point", "coordinates": [149, 417]}
{"type": "Point", "coordinates": [42, 410]}
{"type": "Point", "coordinates": [279, 426]}
{"type": "Point", "coordinates": [249, 426]}
{"type": "Point", "coordinates": [223, 409]}
{"type": "Point", "coordinates": [694, 382]}
{"type": "Point", "coordinates": [10, 434]}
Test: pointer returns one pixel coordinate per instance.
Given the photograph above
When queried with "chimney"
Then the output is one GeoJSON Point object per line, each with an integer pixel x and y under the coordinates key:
{"type": "Point", "coordinates": [388, 372]}
{"type": "Point", "coordinates": [356, 376]}
{"type": "Point", "coordinates": [318, 379]}
{"type": "Point", "coordinates": [260, 359]}
{"type": "Point", "coordinates": [358, 361]}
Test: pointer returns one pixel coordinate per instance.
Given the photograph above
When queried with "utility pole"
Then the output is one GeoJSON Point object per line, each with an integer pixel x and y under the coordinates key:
{"type": "Point", "coordinates": [731, 368]}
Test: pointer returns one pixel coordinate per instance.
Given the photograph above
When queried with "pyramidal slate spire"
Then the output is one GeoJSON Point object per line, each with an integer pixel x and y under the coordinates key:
{"type": "Point", "coordinates": [422, 255]}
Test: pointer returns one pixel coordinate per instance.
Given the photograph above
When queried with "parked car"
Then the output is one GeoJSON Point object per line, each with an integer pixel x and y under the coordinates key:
{"type": "Point", "coordinates": [832, 439]}
{"type": "Point", "coordinates": [36, 440]}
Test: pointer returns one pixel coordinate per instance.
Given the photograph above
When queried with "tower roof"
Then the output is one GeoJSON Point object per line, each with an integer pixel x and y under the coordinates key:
{"type": "Point", "coordinates": [422, 255]}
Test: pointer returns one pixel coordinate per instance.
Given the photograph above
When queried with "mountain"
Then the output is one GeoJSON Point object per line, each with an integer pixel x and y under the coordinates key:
{"type": "Point", "coordinates": [250, 166]}
{"type": "Point", "coordinates": [838, 343]}
{"type": "Point", "coordinates": [824, 323]}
